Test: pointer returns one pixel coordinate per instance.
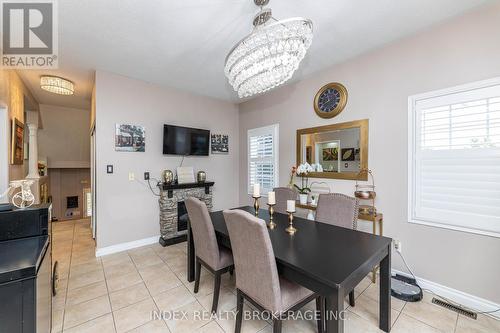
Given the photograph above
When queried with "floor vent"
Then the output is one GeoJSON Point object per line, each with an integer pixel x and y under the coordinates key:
{"type": "Point", "coordinates": [455, 308]}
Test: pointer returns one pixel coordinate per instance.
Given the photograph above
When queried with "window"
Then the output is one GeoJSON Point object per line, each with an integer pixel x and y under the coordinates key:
{"type": "Point", "coordinates": [263, 158]}
{"type": "Point", "coordinates": [454, 158]}
{"type": "Point", "coordinates": [87, 198]}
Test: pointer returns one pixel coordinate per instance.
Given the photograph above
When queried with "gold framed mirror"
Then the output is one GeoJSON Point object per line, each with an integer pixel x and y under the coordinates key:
{"type": "Point", "coordinates": [337, 151]}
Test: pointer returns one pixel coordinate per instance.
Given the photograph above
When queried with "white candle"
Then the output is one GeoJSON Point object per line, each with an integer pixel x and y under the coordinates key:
{"type": "Point", "coordinates": [290, 206]}
{"type": "Point", "coordinates": [256, 190]}
{"type": "Point", "coordinates": [271, 198]}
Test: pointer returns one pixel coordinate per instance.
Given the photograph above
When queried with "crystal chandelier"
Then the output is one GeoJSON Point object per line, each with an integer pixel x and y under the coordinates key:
{"type": "Point", "coordinates": [57, 85]}
{"type": "Point", "coordinates": [269, 56]}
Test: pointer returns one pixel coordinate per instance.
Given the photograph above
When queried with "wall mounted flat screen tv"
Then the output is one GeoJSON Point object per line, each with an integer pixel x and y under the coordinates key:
{"type": "Point", "coordinates": [178, 140]}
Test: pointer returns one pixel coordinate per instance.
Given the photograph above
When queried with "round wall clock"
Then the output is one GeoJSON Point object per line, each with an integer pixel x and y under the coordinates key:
{"type": "Point", "coordinates": [330, 100]}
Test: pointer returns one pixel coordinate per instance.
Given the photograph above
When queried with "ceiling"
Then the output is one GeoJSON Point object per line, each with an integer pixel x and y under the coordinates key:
{"type": "Point", "coordinates": [183, 44]}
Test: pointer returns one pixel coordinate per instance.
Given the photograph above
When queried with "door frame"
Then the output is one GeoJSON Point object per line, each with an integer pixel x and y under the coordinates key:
{"type": "Point", "coordinates": [4, 152]}
{"type": "Point", "coordinates": [93, 181]}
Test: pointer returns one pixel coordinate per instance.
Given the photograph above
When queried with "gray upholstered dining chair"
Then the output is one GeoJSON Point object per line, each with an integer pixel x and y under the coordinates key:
{"type": "Point", "coordinates": [215, 258]}
{"type": "Point", "coordinates": [257, 278]}
{"type": "Point", "coordinates": [283, 194]}
{"type": "Point", "coordinates": [340, 210]}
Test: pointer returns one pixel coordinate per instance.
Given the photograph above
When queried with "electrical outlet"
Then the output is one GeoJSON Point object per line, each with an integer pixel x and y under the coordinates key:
{"type": "Point", "coordinates": [146, 175]}
{"type": "Point", "coordinates": [398, 246]}
{"type": "Point", "coordinates": [131, 176]}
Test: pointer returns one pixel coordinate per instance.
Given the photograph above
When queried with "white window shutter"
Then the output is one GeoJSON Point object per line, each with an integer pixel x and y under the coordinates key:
{"type": "Point", "coordinates": [263, 158]}
{"type": "Point", "coordinates": [454, 162]}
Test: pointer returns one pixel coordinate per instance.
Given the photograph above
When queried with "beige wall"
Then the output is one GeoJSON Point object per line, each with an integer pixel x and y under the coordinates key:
{"type": "Point", "coordinates": [14, 95]}
{"type": "Point", "coordinates": [65, 138]}
{"type": "Point", "coordinates": [127, 210]}
{"type": "Point", "coordinates": [379, 83]}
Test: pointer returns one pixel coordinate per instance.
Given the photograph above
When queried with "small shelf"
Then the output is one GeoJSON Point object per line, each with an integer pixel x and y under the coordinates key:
{"type": "Point", "coordinates": [171, 187]}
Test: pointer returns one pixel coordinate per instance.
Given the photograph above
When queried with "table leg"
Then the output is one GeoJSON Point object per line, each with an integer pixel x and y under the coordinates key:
{"type": "Point", "coordinates": [334, 312]}
{"type": "Point", "coordinates": [374, 270]}
{"type": "Point", "coordinates": [385, 293]}
{"type": "Point", "coordinates": [190, 253]}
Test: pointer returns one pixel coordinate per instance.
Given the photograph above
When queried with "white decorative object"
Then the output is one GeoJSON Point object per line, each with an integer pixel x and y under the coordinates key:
{"type": "Point", "coordinates": [310, 215]}
{"type": "Point", "coordinates": [24, 198]}
{"type": "Point", "coordinates": [256, 190]}
{"type": "Point", "coordinates": [271, 198]}
{"type": "Point", "coordinates": [270, 55]}
{"type": "Point", "coordinates": [290, 206]}
{"type": "Point", "coordinates": [33, 152]}
{"type": "Point", "coordinates": [303, 199]}
{"type": "Point", "coordinates": [185, 175]}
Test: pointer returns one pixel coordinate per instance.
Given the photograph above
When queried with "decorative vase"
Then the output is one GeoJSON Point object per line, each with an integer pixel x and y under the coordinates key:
{"type": "Point", "coordinates": [201, 176]}
{"type": "Point", "coordinates": [168, 176]}
{"type": "Point", "coordinates": [303, 199]}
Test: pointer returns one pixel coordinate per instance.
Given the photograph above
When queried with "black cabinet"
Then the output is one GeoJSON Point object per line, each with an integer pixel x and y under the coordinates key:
{"type": "Point", "coordinates": [25, 271]}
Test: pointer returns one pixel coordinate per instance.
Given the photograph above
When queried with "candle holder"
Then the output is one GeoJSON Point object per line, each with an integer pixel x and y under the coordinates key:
{"type": "Point", "coordinates": [291, 229]}
{"type": "Point", "coordinates": [256, 205]}
{"type": "Point", "coordinates": [271, 224]}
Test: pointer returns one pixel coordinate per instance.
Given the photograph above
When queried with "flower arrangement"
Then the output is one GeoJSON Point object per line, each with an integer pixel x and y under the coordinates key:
{"type": "Point", "coordinates": [303, 171]}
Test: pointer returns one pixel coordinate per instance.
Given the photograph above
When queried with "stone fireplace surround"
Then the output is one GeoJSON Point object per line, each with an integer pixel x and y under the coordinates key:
{"type": "Point", "coordinates": [170, 195]}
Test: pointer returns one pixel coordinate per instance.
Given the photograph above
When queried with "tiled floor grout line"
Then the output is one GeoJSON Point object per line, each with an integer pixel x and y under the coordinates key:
{"type": "Point", "coordinates": [109, 297]}
{"type": "Point", "coordinates": [67, 287]}
{"type": "Point", "coordinates": [67, 278]}
{"type": "Point", "coordinates": [456, 324]}
{"type": "Point", "coordinates": [144, 282]}
{"type": "Point", "coordinates": [196, 300]}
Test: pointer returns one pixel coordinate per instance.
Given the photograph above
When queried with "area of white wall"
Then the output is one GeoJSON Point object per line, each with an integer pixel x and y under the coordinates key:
{"type": "Point", "coordinates": [127, 211]}
{"type": "Point", "coordinates": [379, 83]}
{"type": "Point", "coordinates": [65, 138]}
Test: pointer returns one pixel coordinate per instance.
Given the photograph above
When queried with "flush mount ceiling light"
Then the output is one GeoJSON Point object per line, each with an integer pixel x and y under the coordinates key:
{"type": "Point", "coordinates": [269, 56]}
{"type": "Point", "coordinates": [57, 85]}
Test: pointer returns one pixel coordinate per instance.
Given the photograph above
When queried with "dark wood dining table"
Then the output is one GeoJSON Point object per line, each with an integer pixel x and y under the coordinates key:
{"type": "Point", "coordinates": [327, 259]}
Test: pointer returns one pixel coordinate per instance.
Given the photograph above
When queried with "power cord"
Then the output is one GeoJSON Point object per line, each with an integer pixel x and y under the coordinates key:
{"type": "Point", "coordinates": [149, 185]}
{"type": "Point", "coordinates": [151, 188]}
{"type": "Point", "coordinates": [442, 297]}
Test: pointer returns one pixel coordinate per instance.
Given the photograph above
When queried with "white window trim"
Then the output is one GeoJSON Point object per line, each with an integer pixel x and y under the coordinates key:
{"type": "Point", "coordinates": [251, 132]}
{"type": "Point", "coordinates": [412, 101]}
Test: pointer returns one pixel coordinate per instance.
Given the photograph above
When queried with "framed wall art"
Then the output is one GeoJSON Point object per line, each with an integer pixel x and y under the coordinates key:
{"type": "Point", "coordinates": [17, 143]}
{"type": "Point", "coordinates": [131, 138]}
{"type": "Point", "coordinates": [219, 143]}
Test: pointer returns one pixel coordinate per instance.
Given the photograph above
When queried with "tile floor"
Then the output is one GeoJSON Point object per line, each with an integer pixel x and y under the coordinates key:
{"type": "Point", "coordinates": [117, 293]}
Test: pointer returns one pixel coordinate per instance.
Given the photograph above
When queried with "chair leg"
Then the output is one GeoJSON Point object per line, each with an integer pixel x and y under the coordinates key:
{"type": "Point", "coordinates": [197, 278]}
{"type": "Point", "coordinates": [320, 309]}
{"type": "Point", "coordinates": [351, 299]}
{"type": "Point", "coordinates": [277, 324]}
{"type": "Point", "coordinates": [215, 301]}
{"type": "Point", "coordinates": [239, 311]}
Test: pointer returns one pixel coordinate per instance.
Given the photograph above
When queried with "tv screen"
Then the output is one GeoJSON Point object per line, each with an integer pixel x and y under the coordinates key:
{"type": "Point", "coordinates": [178, 140]}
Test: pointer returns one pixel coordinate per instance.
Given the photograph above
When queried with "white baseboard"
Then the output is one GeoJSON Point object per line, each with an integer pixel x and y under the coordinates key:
{"type": "Point", "coordinates": [126, 246]}
{"type": "Point", "coordinates": [469, 301]}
